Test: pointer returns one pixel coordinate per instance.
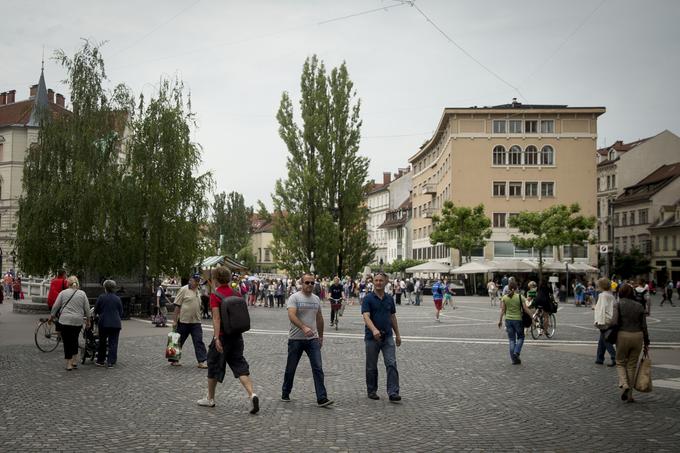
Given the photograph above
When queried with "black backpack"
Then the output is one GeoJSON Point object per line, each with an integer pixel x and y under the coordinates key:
{"type": "Point", "coordinates": [234, 316]}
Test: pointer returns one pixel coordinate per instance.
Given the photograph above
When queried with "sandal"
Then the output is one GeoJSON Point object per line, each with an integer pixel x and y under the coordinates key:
{"type": "Point", "coordinates": [175, 364]}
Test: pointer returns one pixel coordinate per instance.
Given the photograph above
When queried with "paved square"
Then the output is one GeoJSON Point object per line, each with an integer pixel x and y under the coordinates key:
{"type": "Point", "coordinates": [460, 391]}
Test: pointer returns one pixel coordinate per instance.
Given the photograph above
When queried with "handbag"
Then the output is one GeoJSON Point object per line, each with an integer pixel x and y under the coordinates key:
{"type": "Point", "coordinates": [612, 332]}
{"type": "Point", "coordinates": [57, 324]}
{"type": "Point", "coordinates": [526, 319]}
{"type": "Point", "coordinates": [643, 374]}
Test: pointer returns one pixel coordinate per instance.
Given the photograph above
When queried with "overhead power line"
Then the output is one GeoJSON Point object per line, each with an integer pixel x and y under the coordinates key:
{"type": "Point", "coordinates": [266, 35]}
{"type": "Point", "coordinates": [564, 42]}
{"type": "Point", "coordinates": [156, 28]}
{"type": "Point", "coordinates": [412, 3]}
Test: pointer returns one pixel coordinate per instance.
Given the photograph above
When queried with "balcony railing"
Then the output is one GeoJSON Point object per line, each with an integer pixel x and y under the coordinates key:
{"type": "Point", "coordinates": [428, 212]}
{"type": "Point", "coordinates": [430, 189]}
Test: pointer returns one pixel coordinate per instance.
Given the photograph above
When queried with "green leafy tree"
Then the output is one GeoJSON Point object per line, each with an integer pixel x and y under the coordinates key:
{"type": "Point", "coordinates": [263, 213]}
{"type": "Point", "coordinates": [111, 189]}
{"type": "Point", "coordinates": [69, 213]}
{"type": "Point", "coordinates": [632, 264]}
{"type": "Point", "coordinates": [461, 228]}
{"type": "Point", "coordinates": [540, 230]}
{"type": "Point", "coordinates": [246, 256]}
{"type": "Point", "coordinates": [576, 228]}
{"type": "Point", "coordinates": [231, 222]}
{"type": "Point", "coordinates": [318, 210]}
{"type": "Point", "coordinates": [400, 266]}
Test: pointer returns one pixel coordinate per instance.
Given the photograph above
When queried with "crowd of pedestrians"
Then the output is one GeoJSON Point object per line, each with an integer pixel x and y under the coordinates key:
{"type": "Point", "coordinates": [618, 305]}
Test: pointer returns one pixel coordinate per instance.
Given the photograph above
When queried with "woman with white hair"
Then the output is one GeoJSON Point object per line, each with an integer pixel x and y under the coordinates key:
{"type": "Point", "coordinates": [70, 309]}
{"type": "Point", "coordinates": [109, 308]}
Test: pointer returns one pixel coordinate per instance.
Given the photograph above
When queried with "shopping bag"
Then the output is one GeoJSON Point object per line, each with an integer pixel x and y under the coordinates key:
{"type": "Point", "coordinates": [643, 375]}
{"type": "Point", "coordinates": [172, 350]}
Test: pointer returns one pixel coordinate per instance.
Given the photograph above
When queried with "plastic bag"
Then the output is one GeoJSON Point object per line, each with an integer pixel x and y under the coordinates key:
{"type": "Point", "coordinates": [643, 375]}
{"type": "Point", "coordinates": [172, 350]}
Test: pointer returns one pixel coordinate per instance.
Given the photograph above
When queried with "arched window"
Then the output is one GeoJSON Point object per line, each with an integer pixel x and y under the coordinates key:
{"type": "Point", "coordinates": [547, 155]}
{"type": "Point", "coordinates": [531, 155]}
{"type": "Point", "coordinates": [499, 155]}
{"type": "Point", "coordinates": [515, 157]}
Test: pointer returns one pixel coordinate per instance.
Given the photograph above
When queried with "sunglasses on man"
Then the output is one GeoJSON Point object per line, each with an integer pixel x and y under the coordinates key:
{"type": "Point", "coordinates": [308, 283]}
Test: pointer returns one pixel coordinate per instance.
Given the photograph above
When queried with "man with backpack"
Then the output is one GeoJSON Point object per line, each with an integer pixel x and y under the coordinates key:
{"type": "Point", "coordinates": [226, 348]}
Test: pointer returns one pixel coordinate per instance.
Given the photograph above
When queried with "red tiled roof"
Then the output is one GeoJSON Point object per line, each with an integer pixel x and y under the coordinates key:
{"type": "Point", "coordinates": [621, 147]}
{"type": "Point", "coordinates": [19, 113]}
{"type": "Point", "coordinates": [651, 184]}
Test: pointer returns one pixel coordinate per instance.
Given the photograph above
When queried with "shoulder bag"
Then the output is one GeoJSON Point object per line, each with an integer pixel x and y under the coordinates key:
{"type": "Point", "coordinates": [57, 324]}
{"type": "Point", "coordinates": [526, 319]}
{"type": "Point", "coordinates": [612, 331]}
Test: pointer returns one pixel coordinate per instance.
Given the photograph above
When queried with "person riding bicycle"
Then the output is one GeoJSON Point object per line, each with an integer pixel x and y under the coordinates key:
{"type": "Point", "coordinates": [544, 300]}
{"type": "Point", "coordinates": [336, 292]}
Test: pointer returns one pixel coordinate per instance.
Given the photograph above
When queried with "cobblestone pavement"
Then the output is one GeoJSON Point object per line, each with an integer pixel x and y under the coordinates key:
{"type": "Point", "coordinates": [460, 392]}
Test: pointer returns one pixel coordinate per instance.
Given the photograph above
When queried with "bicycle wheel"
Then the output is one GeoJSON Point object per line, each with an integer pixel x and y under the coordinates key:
{"type": "Point", "coordinates": [552, 326]}
{"type": "Point", "coordinates": [535, 325]}
{"type": "Point", "coordinates": [46, 337]}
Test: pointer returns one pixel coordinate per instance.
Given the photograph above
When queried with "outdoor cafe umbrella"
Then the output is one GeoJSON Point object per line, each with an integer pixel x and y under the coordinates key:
{"type": "Point", "coordinates": [473, 267]}
{"type": "Point", "coordinates": [430, 267]}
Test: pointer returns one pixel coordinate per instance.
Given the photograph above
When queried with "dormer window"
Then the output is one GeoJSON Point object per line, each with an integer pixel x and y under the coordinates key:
{"type": "Point", "coordinates": [612, 155]}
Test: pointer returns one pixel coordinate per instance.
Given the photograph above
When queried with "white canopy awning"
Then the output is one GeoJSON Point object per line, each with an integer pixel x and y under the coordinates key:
{"type": "Point", "coordinates": [430, 266]}
{"type": "Point", "coordinates": [473, 267]}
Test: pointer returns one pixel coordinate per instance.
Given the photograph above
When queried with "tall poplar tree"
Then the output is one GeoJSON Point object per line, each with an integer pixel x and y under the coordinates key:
{"type": "Point", "coordinates": [231, 221]}
{"type": "Point", "coordinates": [319, 218]}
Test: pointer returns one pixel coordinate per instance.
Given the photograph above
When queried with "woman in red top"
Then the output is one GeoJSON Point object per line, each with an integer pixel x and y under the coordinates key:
{"type": "Point", "coordinates": [57, 285]}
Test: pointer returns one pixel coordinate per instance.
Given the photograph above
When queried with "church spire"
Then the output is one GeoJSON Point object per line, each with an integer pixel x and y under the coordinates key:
{"type": "Point", "coordinates": [41, 102]}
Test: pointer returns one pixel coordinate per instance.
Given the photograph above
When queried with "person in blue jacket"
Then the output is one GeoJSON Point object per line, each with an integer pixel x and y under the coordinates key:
{"type": "Point", "coordinates": [109, 308]}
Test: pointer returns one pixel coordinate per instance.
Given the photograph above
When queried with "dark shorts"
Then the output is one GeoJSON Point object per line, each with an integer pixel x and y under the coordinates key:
{"type": "Point", "coordinates": [232, 356]}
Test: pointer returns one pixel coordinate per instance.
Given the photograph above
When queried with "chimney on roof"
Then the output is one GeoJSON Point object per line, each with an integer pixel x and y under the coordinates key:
{"type": "Point", "coordinates": [3, 98]}
{"type": "Point", "coordinates": [50, 95]}
{"type": "Point", "coordinates": [10, 96]}
{"type": "Point", "coordinates": [33, 92]}
{"type": "Point", "coordinates": [387, 177]}
{"type": "Point", "coordinates": [515, 103]}
{"type": "Point", "coordinates": [60, 100]}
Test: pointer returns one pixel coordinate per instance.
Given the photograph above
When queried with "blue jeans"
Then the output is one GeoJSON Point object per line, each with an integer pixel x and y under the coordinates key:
{"type": "Point", "coordinates": [601, 346]}
{"type": "Point", "coordinates": [515, 331]}
{"type": "Point", "coordinates": [418, 293]}
{"type": "Point", "coordinates": [389, 352]}
{"type": "Point", "coordinates": [313, 350]}
{"type": "Point", "coordinates": [196, 332]}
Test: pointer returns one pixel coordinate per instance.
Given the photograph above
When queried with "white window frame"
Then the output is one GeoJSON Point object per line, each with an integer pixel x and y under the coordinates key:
{"type": "Point", "coordinates": [516, 153]}
{"type": "Point", "coordinates": [536, 191]}
{"type": "Point", "coordinates": [515, 122]}
{"type": "Point", "coordinates": [515, 185]}
{"type": "Point", "coordinates": [546, 122]}
{"type": "Point", "coordinates": [536, 155]}
{"type": "Point", "coordinates": [504, 154]}
{"type": "Point", "coordinates": [551, 154]}
{"type": "Point", "coordinates": [527, 129]}
{"type": "Point", "coordinates": [499, 122]}
{"type": "Point", "coordinates": [503, 184]}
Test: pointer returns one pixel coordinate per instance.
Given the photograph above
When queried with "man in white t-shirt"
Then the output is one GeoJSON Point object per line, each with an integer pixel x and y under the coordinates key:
{"type": "Point", "coordinates": [305, 335]}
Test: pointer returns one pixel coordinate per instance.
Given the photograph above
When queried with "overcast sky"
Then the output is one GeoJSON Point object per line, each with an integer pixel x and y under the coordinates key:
{"type": "Point", "coordinates": [238, 57]}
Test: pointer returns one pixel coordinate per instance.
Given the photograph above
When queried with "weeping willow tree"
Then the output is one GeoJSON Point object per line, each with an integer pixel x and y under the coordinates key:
{"type": "Point", "coordinates": [110, 188]}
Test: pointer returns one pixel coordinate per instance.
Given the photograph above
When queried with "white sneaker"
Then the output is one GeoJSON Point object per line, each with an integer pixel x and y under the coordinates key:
{"type": "Point", "coordinates": [206, 402]}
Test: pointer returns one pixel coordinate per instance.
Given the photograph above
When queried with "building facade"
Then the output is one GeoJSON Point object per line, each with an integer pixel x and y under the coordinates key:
{"type": "Point", "coordinates": [378, 203]}
{"type": "Point", "coordinates": [510, 158]}
{"type": "Point", "coordinates": [19, 128]}
{"type": "Point", "coordinates": [665, 237]}
{"type": "Point", "coordinates": [641, 216]}
{"type": "Point", "coordinates": [622, 165]}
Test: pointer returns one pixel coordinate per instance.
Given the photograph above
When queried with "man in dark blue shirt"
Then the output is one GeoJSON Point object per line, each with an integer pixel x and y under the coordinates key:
{"type": "Point", "coordinates": [380, 317]}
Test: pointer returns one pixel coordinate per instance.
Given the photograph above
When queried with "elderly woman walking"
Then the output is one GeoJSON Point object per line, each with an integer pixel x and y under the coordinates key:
{"type": "Point", "coordinates": [629, 315]}
{"type": "Point", "coordinates": [604, 311]}
{"type": "Point", "coordinates": [70, 309]}
{"type": "Point", "coordinates": [109, 308]}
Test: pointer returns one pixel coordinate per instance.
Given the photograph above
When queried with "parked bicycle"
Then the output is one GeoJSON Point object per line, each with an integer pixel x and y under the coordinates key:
{"type": "Point", "coordinates": [47, 339]}
{"type": "Point", "coordinates": [538, 326]}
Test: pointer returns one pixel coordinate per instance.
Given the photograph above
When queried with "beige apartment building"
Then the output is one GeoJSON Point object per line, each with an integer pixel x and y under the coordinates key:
{"type": "Point", "coordinates": [510, 158]}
